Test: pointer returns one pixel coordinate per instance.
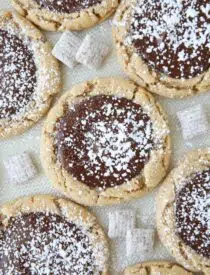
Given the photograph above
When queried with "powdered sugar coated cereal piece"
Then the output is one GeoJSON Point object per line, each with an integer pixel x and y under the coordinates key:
{"type": "Point", "coordinates": [92, 52]}
{"type": "Point", "coordinates": [208, 220]}
{"type": "Point", "coordinates": [139, 243]}
{"type": "Point", "coordinates": [193, 121]}
{"type": "Point", "coordinates": [66, 48]}
{"type": "Point", "coordinates": [120, 222]}
{"type": "Point", "coordinates": [118, 259]}
{"type": "Point", "coordinates": [20, 168]}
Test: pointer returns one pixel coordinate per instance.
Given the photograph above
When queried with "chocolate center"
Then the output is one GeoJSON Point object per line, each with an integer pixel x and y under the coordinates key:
{"type": "Point", "coordinates": [193, 213]}
{"type": "Point", "coordinates": [67, 6]}
{"type": "Point", "coordinates": [173, 36]}
{"type": "Point", "coordinates": [17, 75]}
{"type": "Point", "coordinates": [39, 243]}
{"type": "Point", "coordinates": [104, 141]}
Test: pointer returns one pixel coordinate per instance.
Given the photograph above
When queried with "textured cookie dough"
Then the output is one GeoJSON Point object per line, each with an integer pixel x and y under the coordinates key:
{"type": "Point", "coordinates": [58, 21]}
{"type": "Point", "coordinates": [154, 170]}
{"type": "Point", "coordinates": [47, 76]}
{"type": "Point", "coordinates": [192, 163]}
{"type": "Point", "coordinates": [140, 72]}
{"type": "Point", "coordinates": [156, 268]}
{"type": "Point", "coordinates": [71, 212]}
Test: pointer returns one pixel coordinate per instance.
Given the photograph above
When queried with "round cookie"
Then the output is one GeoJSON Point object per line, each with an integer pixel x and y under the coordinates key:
{"type": "Point", "coordinates": [106, 141]}
{"type": "Point", "coordinates": [29, 75]}
{"type": "Point", "coordinates": [156, 268]}
{"type": "Point", "coordinates": [48, 235]}
{"type": "Point", "coordinates": [164, 45]}
{"type": "Point", "coordinates": [183, 211]}
{"type": "Point", "coordinates": [55, 15]}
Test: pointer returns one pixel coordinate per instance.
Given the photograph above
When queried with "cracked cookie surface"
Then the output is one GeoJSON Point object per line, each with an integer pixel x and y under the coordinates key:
{"type": "Point", "coordinates": [159, 48]}
{"type": "Point", "coordinates": [106, 141]}
{"type": "Point", "coordinates": [29, 76]}
{"type": "Point", "coordinates": [65, 15]}
{"type": "Point", "coordinates": [183, 211]}
{"type": "Point", "coordinates": [156, 268]}
{"type": "Point", "coordinates": [53, 235]}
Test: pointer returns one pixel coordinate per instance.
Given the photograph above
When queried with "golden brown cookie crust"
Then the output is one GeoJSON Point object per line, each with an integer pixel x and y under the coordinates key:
{"type": "Point", "coordinates": [141, 73]}
{"type": "Point", "coordinates": [152, 268]}
{"type": "Point", "coordinates": [153, 172]}
{"type": "Point", "coordinates": [193, 162]}
{"type": "Point", "coordinates": [51, 21]}
{"type": "Point", "coordinates": [48, 75]}
{"type": "Point", "coordinates": [63, 207]}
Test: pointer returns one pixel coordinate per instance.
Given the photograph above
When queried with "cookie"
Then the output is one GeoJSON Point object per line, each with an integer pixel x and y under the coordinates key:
{"type": "Point", "coordinates": [29, 75]}
{"type": "Point", "coordinates": [164, 45]}
{"type": "Point", "coordinates": [106, 141]}
{"type": "Point", "coordinates": [48, 235]}
{"type": "Point", "coordinates": [55, 15]}
{"type": "Point", "coordinates": [156, 268]}
{"type": "Point", "coordinates": [183, 215]}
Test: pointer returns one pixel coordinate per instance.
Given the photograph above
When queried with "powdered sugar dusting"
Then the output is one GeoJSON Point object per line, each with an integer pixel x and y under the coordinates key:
{"type": "Point", "coordinates": [173, 35]}
{"type": "Point", "coordinates": [192, 213]}
{"type": "Point", "coordinates": [17, 75]}
{"type": "Point", "coordinates": [105, 141]}
{"type": "Point", "coordinates": [67, 6]}
{"type": "Point", "coordinates": [39, 243]}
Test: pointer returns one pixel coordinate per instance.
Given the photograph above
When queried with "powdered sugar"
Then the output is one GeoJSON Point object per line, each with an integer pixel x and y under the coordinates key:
{"type": "Point", "coordinates": [192, 212]}
{"type": "Point", "coordinates": [66, 6]}
{"type": "Point", "coordinates": [45, 244]}
{"type": "Point", "coordinates": [111, 139]}
{"type": "Point", "coordinates": [115, 149]}
{"type": "Point", "coordinates": [18, 74]}
{"type": "Point", "coordinates": [178, 32]}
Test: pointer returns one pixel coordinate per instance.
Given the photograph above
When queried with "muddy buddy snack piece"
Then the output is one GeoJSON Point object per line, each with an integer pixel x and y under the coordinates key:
{"type": "Point", "coordinates": [66, 48]}
{"type": "Point", "coordinates": [106, 141]}
{"type": "Point", "coordinates": [120, 222]}
{"type": "Point", "coordinates": [92, 52]}
{"type": "Point", "coordinates": [183, 211]}
{"type": "Point", "coordinates": [56, 15]}
{"type": "Point", "coordinates": [193, 121]}
{"type": "Point", "coordinates": [156, 268]}
{"type": "Point", "coordinates": [139, 243]}
{"type": "Point", "coordinates": [20, 168]}
{"type": "Point", "coordinates": [48, 235]}
{"type": "Point", "coordinates": [118, 259]}
{"type": "Point", "coordinates": [29, 75]}
{"type": "Point", "coordinates": [164, 45]}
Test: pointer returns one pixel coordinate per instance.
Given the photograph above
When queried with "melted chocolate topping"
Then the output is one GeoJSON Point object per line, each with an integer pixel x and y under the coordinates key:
{"type": "Point", "coordinates": [67, 6]}
{"type": "Point", "coordinates": [38, 243]}
{"type": "Point", "coordinates": [17, 75]}
{"type": "Point", "coordinates": [193, 213]}
{"type": "Point", "coordinates": [104, 141]}
{"type": "Point", "coordinates": [173, 36]}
